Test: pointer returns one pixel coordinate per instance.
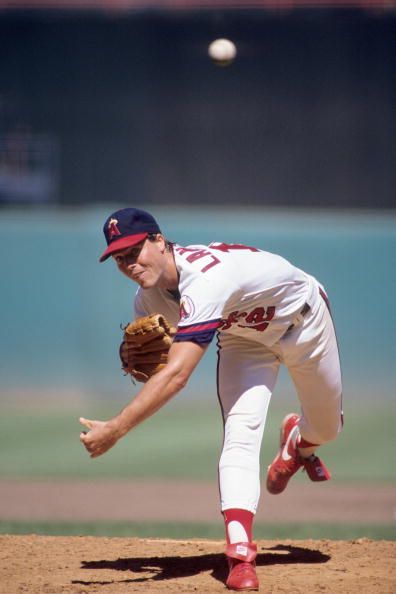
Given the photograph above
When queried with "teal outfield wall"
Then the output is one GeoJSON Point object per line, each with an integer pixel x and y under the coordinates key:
{"type": "Point", "coordinates": [61, 310]}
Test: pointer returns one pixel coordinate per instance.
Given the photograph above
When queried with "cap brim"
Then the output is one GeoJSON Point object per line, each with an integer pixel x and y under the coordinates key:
{"type": "Point", "coordinates": [121, 244]}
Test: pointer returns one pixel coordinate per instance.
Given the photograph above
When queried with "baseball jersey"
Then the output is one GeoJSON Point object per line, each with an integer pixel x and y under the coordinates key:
{"type": "Point", "coordinates": [230, 288]}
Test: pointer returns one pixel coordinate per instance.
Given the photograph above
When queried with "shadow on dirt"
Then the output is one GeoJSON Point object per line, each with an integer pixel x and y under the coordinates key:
{"type": "Point", "coordinates": [170, 568]}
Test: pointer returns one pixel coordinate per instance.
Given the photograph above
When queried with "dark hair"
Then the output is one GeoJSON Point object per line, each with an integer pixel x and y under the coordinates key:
{"type": "Point", "coordinates": [153, 237]}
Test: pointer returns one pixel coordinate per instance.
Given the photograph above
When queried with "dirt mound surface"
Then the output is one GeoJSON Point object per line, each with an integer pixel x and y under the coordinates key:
{"type": "Point", "coordinates": [58, 565]}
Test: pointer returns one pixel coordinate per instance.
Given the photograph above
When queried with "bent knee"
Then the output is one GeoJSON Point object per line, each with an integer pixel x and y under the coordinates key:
{"type": "Point", "coordinates": [322, 434]}
{"type": "Point", "coordinates": [329, 434]}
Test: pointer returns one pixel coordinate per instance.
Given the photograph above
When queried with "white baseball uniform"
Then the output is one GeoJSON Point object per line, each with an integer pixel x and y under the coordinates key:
{"type": "Point", "coordinates": [265, 312]}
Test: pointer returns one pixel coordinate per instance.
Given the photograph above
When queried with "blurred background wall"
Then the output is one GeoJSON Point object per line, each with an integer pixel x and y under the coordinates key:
{"type": "Point", "coordinates": [99, 106]}
{"type": "Point", "coordinates": [291, 148]}
{"type": "Point", "coordinates": [62, 310]}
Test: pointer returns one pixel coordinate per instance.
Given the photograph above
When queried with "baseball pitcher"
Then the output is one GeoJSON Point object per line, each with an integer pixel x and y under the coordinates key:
{"type": "Point", "coordinates": [264, 312]}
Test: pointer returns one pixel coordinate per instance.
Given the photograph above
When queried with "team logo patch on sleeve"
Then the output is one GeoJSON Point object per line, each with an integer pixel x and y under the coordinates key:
{"type": "Point", "coordinates": [187, 307]}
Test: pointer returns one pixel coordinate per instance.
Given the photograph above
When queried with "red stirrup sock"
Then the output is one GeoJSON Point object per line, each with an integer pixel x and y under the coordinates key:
{"type": "Point", "coordinates": [238, 525]}
{"type": "Point", "coordinates": [305, 448]}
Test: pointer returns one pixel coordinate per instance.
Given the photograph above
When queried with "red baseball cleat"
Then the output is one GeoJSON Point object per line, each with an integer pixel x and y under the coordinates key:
{"type": "Point", "coordinates": [315, 469]}
{"type": "Point", "coordinates": [241, 561]}
{"type": "Point", "coordinates": [288, 460]}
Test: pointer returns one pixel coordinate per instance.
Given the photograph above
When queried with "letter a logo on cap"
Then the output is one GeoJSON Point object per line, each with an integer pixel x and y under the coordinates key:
{"type": "Point", "coordinates": [113, 230]}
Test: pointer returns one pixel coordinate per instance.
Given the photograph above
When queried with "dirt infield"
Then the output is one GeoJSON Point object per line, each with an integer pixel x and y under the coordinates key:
{"type": "Point", "coordinates": [33, 564]}
{"type": "Point", "coordinates": [83, 565]}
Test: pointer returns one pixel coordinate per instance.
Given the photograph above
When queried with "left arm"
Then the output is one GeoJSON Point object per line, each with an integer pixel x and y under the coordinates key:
{"type": "Point", "coordinates": [161, 387]}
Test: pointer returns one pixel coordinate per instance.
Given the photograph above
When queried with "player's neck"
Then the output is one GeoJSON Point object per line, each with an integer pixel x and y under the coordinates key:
{"type": "Point", "coordinates": [170, 277]}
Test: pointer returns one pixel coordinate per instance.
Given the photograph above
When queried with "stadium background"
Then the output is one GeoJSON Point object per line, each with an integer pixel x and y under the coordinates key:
{"type": "Point", "coordinates": [292, 148]}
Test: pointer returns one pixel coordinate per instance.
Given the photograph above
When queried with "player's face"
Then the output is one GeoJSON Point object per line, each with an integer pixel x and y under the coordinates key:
{"type": "Point", "coordinates": [143, 263]}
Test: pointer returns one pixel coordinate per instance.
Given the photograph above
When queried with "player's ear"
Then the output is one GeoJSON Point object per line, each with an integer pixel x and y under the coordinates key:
{"type": "Point", "coordinates": [161, 242]}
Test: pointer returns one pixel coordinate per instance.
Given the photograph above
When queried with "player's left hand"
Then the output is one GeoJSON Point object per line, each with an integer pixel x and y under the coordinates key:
{"type": "Point", "coordinates": [99, 439]}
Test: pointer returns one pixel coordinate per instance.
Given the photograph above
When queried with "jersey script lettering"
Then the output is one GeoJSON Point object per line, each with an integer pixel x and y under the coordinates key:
{"type": "Point", "coordinates": [198, 253]}
{"type": "Point", "coordinates": [227, 247]}
{"type": "Point", "coordinates": [257, 319]}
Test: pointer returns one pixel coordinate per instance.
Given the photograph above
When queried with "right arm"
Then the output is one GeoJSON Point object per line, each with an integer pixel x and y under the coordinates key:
{"type": "Point", "coordinates": [159, 389]}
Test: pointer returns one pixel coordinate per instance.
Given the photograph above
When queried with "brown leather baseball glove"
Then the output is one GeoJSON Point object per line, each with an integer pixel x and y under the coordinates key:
{"type": "Point", "coordinates": [144, 350]}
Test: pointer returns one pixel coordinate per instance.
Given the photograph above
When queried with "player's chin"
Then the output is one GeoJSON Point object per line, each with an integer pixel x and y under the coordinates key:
{"type": "Point", "coordinates": [145, 281]}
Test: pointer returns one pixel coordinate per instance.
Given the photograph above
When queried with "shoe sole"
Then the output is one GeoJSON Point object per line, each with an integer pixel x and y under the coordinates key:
{"type": "Point", "coordinates": [248, 589]}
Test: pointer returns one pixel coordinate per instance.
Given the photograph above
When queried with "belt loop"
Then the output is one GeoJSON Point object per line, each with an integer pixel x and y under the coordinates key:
{"type": "Point", "coordinates": [303, 312]}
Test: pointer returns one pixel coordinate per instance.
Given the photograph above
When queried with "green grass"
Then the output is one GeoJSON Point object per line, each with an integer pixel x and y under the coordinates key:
{"type": "Point", "coordinates": [293, 531]}
{"type": "Point", "coordinates": [181, 441]}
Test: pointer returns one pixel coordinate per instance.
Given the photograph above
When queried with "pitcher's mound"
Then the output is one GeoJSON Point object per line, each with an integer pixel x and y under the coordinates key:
{"type": "Point", "coordinates": [70, 565]}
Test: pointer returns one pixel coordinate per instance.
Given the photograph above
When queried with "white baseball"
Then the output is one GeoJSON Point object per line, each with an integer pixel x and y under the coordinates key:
{"type": "Point", "coordinates": [222, 50]}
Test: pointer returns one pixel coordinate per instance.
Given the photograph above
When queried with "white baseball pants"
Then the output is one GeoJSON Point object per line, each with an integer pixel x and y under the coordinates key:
{"type": "Point", "coordinates": [247, 374]}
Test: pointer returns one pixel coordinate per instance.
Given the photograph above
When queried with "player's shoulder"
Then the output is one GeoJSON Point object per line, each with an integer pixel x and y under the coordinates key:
{"type": "Point", "coordinates": [193, 259]}
{"type": "Point", "coordinates": [217, 247]}
{"type": "Point", "coordinates": [212, 257]}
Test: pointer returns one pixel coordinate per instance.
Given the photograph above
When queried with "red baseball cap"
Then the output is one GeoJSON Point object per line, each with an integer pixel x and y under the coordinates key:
{"type": "Point", "coordinates": [125, 228]}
